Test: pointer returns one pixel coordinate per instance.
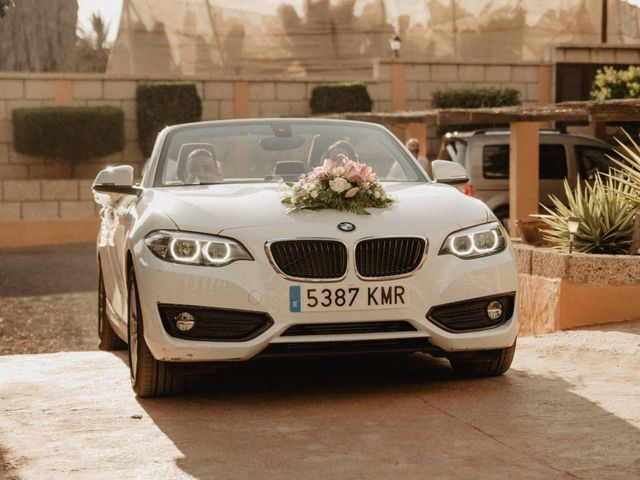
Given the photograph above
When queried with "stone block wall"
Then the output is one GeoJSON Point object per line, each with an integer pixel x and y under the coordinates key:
{"type": "Point", "coordinates": [268, 97]}
{"type": "Point", "coordinates": [46, 200]}
{"type": "Point", "coordinates": [421, 80]}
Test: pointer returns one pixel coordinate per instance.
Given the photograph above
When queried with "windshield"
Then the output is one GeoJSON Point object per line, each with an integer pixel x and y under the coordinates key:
{"type": "Point", "coordinates": [272, 151]}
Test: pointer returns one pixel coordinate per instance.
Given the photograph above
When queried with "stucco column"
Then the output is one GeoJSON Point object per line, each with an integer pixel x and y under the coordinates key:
{"type": "Point", "coordinates": [545, 87]}
{"type": "Point", "coordinates": [63, 91]}
{"type": "Point", "coordinates": [398, 93]}
{"type": "Point", "coordinates": [241, 107]}
{"type": "Point", "coordinates": [523, 172]}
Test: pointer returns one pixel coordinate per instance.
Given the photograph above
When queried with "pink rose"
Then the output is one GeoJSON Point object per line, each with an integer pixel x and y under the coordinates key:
{"type": "Point", "coordinates": [351, 171]}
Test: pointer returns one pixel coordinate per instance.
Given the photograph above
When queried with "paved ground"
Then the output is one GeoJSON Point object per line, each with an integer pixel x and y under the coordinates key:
{"type": "Point", "coordinates": [48, 299]}
{"type": "Point", "coordinates": [569, 407]}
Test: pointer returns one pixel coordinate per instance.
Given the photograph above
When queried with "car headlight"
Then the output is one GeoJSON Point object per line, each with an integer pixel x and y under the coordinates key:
{"type": "Point", "coordinates": [474, 242]}
{"type": "Point", "coordinates": [195, 248]}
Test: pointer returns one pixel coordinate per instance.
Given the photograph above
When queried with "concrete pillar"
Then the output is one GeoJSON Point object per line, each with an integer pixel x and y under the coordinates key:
{"type": "Point", "coordinates": [523, 172]}
{"type": "Point", "coordinates": [63, 93]}
{"type": "Point", "coordinates": [545, 89]}
{"type": "Point", "coordinates": [398, 87]}
{"type": "Point", "coordinates": [545, 86]}
{"type": "Point", "coordinates": [241, 107]}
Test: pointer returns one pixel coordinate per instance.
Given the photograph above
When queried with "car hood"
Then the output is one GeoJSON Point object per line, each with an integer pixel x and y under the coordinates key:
{"type": "Point", "coordinates": [221, 208]}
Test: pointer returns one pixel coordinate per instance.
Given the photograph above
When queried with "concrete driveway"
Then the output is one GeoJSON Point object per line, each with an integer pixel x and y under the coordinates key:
{"type": "Point", "coordinates": [569, 408]}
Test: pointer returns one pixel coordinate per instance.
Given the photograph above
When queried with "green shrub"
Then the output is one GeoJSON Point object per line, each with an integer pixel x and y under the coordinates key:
{"type": "Point", "coordinates": [71, 133]}
{"type": "Point", "coordinates": [340, 98]}
{"type": "Point", "coordinates": [476, 98]}
{"type": "Point", "coordinates": [611, 83]}
{"type": "Point", "coordinates": [163, 104]}
{"type": "Point", "coordinates": [606, 217]}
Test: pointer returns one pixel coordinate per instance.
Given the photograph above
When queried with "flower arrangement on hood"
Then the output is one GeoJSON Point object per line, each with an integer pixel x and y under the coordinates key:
{"type": "Point", "coordinates": [341, 185]}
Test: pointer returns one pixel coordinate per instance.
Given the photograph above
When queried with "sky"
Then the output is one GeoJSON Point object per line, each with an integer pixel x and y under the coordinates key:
{"type": "Point", "coordinates": [110, 11]}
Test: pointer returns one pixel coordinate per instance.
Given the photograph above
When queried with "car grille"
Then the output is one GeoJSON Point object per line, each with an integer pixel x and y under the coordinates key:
{"type": "Point", "coordinates": [216, 324]}
{"type": "Point", "coordinates": [348, 328]}
{"type": "Point", "coordinates": [471, 314]}
{"type": "Point", "coordinates": [389, 257]}
{"type": "Point", "coordinates": [310, 259]}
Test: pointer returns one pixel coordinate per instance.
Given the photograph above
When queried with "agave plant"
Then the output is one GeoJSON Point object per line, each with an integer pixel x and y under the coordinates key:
{"type": "Point", "coordinates": [605, 212]}
{"type": "Point", "coordinates": [628, 171]}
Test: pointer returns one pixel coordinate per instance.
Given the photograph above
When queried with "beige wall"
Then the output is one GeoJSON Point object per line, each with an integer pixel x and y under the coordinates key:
{"type": "Point", "coordinates": [38, 189]}
{"type": "Point", "coordinates": [260, 97]}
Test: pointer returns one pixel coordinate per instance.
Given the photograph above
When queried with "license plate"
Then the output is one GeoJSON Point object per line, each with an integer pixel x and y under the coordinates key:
{"type": "Point", "coordinates": [313, 299]}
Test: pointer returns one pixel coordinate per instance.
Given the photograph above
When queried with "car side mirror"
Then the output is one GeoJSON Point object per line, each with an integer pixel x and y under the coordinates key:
{"type": "Point", "coordinates": [449, 173]}
{"type": "Point", "coordinates": [116, 180]}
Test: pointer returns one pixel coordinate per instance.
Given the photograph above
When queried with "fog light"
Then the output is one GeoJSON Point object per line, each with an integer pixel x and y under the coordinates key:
{"type": "Point", "coordinates": [494, 310]}
{"type": "Point", "coordinates": [185, 321]}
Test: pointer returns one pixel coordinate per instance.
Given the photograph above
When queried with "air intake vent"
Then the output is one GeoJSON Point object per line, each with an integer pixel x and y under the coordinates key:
{"type": "Point", "coordinates": [389, 257]}
{"type": "Point", "coordinates": [348, 328]}
{"type": "Point", "coordinates": [310, 259]}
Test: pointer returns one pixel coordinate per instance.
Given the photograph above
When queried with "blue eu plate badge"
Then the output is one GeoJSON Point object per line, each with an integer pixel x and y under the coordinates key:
{"type": "Point", "coordinates": [294, 298]}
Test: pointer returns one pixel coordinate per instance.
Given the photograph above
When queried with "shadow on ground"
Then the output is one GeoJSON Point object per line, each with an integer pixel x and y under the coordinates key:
{"type": "Point", "coordinates": [48, 299]}
{"type": "Point", "coordinates": [48, 270]}
{"type": "Point", "coordinates": [390, 417]}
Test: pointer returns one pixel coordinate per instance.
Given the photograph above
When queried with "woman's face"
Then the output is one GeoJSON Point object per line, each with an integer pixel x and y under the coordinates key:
{"type": "Point", "coordinates": [203, 168]}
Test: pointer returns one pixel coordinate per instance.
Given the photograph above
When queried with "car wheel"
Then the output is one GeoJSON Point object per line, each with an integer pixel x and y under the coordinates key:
{"type": "Point", "coordinates": [491, 363]}
{"type": "Point", "coordinates": [149, 377]}
{"type": "Point", "coordinates": [109, 340]}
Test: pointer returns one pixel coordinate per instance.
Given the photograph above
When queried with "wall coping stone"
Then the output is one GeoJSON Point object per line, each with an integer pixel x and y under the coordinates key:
{"type": "Point", "coordinates": [179, 77]}
{"type": "Point", "coordinates": [578, 268]}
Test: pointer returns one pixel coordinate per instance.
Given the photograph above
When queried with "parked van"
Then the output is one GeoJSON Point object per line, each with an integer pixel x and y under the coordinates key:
{"type": "Point", "coordinates": [485, 155]}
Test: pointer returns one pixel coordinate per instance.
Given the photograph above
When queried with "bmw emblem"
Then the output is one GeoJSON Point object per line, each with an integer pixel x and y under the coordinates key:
{"type": "Point", "coordinates": [346, 227]}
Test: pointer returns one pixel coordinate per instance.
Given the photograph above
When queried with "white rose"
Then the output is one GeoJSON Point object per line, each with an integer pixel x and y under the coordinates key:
{"type": "Point", "coordinates": [376, 194]}
{"type": "Point", "coordinates": [314, 194]}
{"type": "Point", "coordinates": [339, 184]}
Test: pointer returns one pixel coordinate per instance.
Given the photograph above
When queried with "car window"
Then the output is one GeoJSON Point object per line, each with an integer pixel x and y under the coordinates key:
{"type": "Point", "coordinates": [553, 161]}
{"type": "Point", "coordinates": [593, 159]}
{"type": "Point", "coordinates": [244, 151]}
{"type": "Point", "coordinates": [458, 152]}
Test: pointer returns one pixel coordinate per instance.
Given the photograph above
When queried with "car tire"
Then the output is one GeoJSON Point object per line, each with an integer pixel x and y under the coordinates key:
{"type": "Point", "coordinates": [491, 363]}
{"type": "Point", "coordinates": [149, 377]}
{"type": "Point", "coordinates": [108, 338]}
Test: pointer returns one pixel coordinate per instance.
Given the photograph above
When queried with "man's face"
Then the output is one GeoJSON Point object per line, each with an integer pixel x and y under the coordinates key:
{"type": "Point", "coordinates": [413, 147]}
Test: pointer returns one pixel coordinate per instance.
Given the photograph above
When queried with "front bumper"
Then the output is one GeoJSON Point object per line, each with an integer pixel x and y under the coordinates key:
{"type": "Point", "coordinates": [254, 286]}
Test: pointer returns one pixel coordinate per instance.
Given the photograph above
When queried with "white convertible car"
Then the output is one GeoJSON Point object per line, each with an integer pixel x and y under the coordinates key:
{"type": "Point", "coordinates": [202, 261]}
